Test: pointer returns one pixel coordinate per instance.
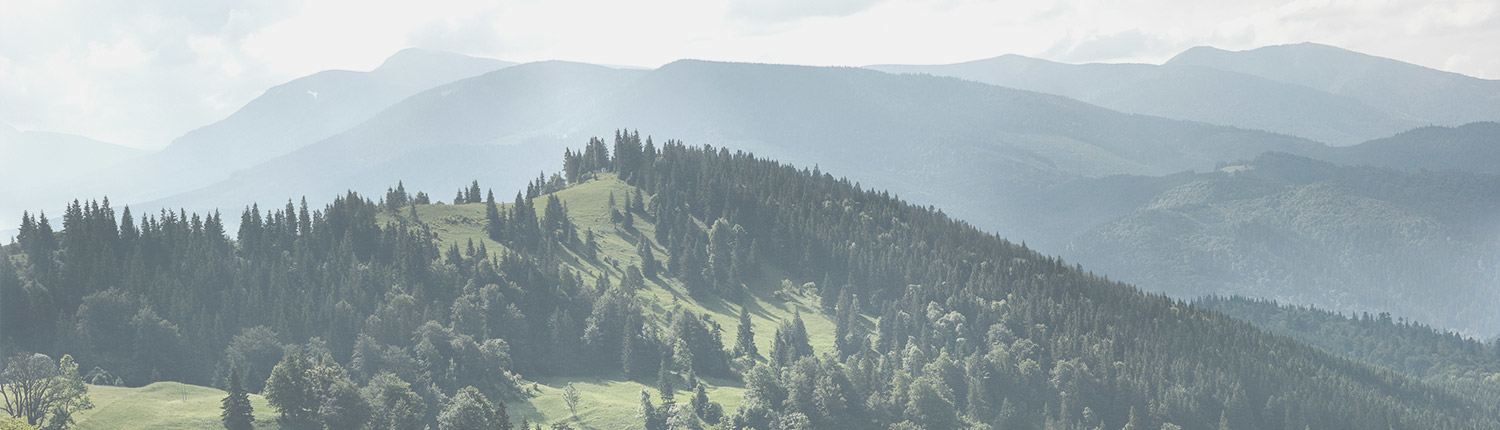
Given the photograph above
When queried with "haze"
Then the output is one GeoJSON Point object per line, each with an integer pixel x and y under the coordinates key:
{"type": "Point", "coordinates": [140, 74]}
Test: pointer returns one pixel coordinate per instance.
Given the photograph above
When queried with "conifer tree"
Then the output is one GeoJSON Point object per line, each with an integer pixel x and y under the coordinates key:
{"type": "Point", "coordinates": [500, 420]}
{"type": "Point", "coordinates": [649, 265]}
{"type": "Point", "coordinates": [238, 413]}
{"type": "Point", "coordinates": [699, 401]}
{"type": "Point", "coordinates": [744, 338]}
{"type": "Point", "coordinates": [664, 382]}
{"type": "Point", "coordinates": [1134, 422]}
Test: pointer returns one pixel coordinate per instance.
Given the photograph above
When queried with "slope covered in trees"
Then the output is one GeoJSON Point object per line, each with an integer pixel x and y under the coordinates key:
{"type": "Point", "coordinates": [1470, 147]}
{"type": "Point", "coordinates": [1421, 245]}
{"type": "Point", "coordinates": [1440, 357]}
{"type": "Point", "coordinates": [1397, 343]}
{"type": "Point", "coordinates": [940, 140]}
{"type": "Point", "coordinates": [379, 311]}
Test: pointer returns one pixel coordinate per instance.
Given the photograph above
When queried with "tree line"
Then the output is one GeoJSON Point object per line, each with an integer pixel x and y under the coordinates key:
{"type": "Point", "coordinates": [347, 321]}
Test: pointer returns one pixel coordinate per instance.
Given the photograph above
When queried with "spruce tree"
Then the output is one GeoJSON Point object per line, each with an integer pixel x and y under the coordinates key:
{"type": "Point", "coordinates": [1134, 422]}
{"type": "Point", "coordinates": [500, 420]}
{"type": "Point", "coordinates": [744, 338]}
{"type": "Point", "coordinates": [699, 401]}
{"type": "Point", "coordinates": [664, 381]}
{"type": "Point", "coordinates": [649, 264]}
{"type": "Point", "coordinates": [238, 413]}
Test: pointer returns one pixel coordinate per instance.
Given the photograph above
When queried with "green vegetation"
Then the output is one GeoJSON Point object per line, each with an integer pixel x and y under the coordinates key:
{"type": "Point", "coordinates": [1423, 245]}
{"type": "Point", "coordinates": [1443, 358]}
{"type": "Point", "coordinates": [162, 406]}
{"type": "Point", "coordinates": [427, 314]}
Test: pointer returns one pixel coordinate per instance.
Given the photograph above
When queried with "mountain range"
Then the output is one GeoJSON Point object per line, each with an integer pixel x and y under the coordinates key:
{"type": "Point", "coordinates": [284, 118]}
{"type": "Point", "coordinates": [1315, 91]}
{"type": "Point", "coordinates": [1036, 163]}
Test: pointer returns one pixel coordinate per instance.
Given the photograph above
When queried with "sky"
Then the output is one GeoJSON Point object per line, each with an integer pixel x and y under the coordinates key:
{"type": "Point", "coordinates": [143, 72]}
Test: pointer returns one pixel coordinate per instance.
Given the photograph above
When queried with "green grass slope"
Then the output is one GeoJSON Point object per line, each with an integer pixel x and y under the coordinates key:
{"type": "Point", "coordinates": [611, 404]}
{"type": "Point", "coordinates": [162, 406]}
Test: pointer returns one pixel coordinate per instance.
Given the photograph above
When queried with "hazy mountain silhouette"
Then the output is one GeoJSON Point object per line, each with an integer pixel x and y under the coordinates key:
{"type": "Point", "coordinates": [937, 140]}
{"type": "Point", "coordinates": [33, 157]}
{"type": "Point", "coordinates": [1186, 92]}
{"type": "Point", "coordinates": [284, 118]}
{"type": "Point", "coordinates": [1402, 89]}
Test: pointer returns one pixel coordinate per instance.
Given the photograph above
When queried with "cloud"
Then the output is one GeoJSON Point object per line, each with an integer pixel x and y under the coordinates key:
{"type": "Point", "coordinates": [134, 73]}
{"type": "Point", "coordinates": [141, 73]}
{"type": "Point", "coordinates": [1125, 45]}
{"type": "Point", "coordinates": [780, 11]}
{"type": "Point", "coordinates": [473, 33]}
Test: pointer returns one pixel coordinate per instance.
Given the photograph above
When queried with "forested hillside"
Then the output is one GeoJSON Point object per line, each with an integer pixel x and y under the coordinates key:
{"type": "Point", "coordinates": [900, 317]}
{"type": "Point", "coordinates": [1440, 357]}
{"type": "Point", "coordinates": [1418, 244]}
{"type": "Point", "coordinates": [1397, 343]}
{"type": "Point", "coordinates": [1471, 147]}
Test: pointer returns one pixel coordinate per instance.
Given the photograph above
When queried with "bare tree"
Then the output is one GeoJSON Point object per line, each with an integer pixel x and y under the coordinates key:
{"type": "Point", "coordinates": [33, 388]}
{"type": "Point", "coordinates": [570, 395]}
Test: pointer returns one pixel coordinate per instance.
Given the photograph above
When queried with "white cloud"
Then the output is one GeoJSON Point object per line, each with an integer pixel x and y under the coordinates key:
{"type": "Point", "coordinates": [142, 73]}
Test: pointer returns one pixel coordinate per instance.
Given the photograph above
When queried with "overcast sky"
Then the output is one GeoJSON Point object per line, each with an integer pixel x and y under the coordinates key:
{"type": "Point", "coordinates": [142, 72]}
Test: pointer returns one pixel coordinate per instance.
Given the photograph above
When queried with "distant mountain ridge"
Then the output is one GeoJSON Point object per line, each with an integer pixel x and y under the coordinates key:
{"type": "Point", "coordinates": [936, 139]}
{"type": "Point", "coordinates": [1473, 147]}
{"type": "Point", "coordinates": [284, 118]}
{"type": "Point", "coordinates": [31, 157]}
{"type": "Point", "coordinates": [1197, 89]}
{"type": "Point", "coordinates": [1406, 90]}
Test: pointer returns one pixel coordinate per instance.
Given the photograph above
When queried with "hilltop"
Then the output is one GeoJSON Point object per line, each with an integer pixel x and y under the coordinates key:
{"type": "Point", "coordinates": [895, 309]}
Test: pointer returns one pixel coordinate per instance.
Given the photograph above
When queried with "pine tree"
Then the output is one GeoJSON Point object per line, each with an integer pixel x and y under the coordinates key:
{"type": "Point", "coordinates": [1134, 422]}
{"type": "Point", "coordinates": [653, 418]}
{"type": "Point", "coordinates": [649, 265]}
{"type": "Point", "coordinates": [699, 401]}
{"type": "Point", "coordinates": [664, 382]}
{"type": "Point", "coordinates": [744, 338]}
{"type": "Point", "coordinates": [500, 420]}
{"type": "Point", "coordinates": [590, 245]}
{"type": "Point", "coordinates": [472, 195]}
{"type": "Point", "coordinates": [238, 413]}
{"type": "Point", "coordinates": [791, 342]}
{"type": "Point", "coordinates": [494, 223]}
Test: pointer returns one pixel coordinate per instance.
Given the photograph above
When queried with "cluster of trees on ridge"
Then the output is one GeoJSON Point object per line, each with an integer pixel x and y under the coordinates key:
{"type": "Point", "coordinates": [391, 331]}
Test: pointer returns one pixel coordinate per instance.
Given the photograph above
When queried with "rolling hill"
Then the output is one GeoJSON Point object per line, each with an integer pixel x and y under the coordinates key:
{"type": "Point", "coordinates": [939, 139]}
{"type": "Point", "coordinates": [1471, 148]}
{"type": "Point", "coordinates": [1030, 340]}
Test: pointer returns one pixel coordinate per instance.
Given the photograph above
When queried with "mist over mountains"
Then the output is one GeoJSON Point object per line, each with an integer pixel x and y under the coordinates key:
{"type": "Point", "coordinates": [1092, 162]}
{"type": "Point", "coordinates": [284, 118]}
